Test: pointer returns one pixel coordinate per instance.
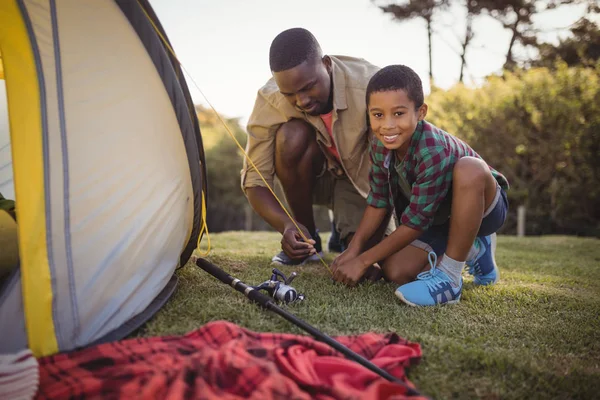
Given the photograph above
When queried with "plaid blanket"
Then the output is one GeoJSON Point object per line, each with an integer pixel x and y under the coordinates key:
{"type": "Point", "coordinates": [222, 360]}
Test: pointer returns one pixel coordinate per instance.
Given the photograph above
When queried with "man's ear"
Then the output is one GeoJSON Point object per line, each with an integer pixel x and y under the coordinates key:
{"type": "Point", "coordinates": [327, 62]}
{"type": "Point", "coordinates": [422, 111]}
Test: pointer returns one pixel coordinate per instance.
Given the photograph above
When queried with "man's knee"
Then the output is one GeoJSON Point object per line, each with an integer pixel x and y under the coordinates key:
{"type": "Point", "coordinates": [469, 173]}
{"type": "Point", "coordinates": [294, 140]}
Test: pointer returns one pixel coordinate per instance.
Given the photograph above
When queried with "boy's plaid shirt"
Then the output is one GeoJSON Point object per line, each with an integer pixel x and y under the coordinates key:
{"type": "Point", "coordinates": [427, 167]}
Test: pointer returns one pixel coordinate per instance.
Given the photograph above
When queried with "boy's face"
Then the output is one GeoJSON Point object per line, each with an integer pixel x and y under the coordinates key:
{"type": "Point", "coordinates": [393, 118]}
{"type": "Point", "coordinates": [307, 86]}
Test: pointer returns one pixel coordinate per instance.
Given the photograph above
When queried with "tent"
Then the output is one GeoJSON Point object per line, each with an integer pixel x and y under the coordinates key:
{"type": "Point", "coordinates": [99, 131]}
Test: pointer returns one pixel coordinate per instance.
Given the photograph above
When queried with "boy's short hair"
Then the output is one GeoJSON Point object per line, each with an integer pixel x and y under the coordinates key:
{"type": "Point", "coordinates": [397, 77]}
{"type": "Point", "coordinates": [291, 48]}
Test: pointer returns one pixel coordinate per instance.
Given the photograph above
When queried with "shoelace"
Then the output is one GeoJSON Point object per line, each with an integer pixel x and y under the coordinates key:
{"type": "Point", "coordinates": [473, 267]}
{"type": "Point", "coordinates": [432, 278]}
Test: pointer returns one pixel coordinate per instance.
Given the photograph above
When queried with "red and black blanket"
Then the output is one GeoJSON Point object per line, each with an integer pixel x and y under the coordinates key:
{"type": "Point", "coordinates": [224, 361]}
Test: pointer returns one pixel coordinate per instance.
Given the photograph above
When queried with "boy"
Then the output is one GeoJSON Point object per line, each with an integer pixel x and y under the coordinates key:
{"type": "Point", "coordinates": [424, 173]}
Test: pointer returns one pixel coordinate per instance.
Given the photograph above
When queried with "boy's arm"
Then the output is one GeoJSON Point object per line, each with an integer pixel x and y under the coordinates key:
{"type": "Point", "coordinates": [378, 207]}
{"type": "Point", "coordinates": [378, 201]}
{"type": "Point", "coordinates": [353, 267]}
{"type": "Point", "coordinates": [402, 237]}
{"type": "Point", "coordinates": [370, 222]}
{"type": "Point", "coordinates": [428, 191]}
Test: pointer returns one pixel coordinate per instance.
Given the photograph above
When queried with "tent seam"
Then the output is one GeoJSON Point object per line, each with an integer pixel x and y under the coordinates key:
{"type": "Point", "coordinates": [65, 160]}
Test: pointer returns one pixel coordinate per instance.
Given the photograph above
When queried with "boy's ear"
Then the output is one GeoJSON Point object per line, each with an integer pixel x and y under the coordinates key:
{"type": "Point", "coordinates": [422, 111]}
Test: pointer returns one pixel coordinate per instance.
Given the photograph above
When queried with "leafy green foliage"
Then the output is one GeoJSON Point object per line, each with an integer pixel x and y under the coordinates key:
{"type": "Point", "coordinates": [228, 207]}
{"type": "Point", "coordinates": [582, 48]}
{"type": "Point", "coordinates": [541, 128]}
{"type": "Point", "coordinates": [226, 202]}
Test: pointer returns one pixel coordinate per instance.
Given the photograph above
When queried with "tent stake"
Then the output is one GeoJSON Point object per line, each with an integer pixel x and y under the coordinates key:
{"type": "Point", "coordinates": [266, 302]}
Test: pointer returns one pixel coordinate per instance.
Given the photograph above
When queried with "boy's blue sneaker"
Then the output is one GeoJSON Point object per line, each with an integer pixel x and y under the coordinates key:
{"type": "Point", "coordinates": [483, 267]}
{"type": "Point", "coordinates": [431, 287]}
{"type": "Point", "coordinates": [282, 259]}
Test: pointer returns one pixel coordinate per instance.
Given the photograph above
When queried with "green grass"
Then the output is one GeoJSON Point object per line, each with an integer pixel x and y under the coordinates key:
{"type": "Point", "coordinates": [535, 334]}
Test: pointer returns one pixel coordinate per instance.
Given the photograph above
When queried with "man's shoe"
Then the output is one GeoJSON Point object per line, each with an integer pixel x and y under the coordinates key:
{"type": "Point", "coordinates": [282, 259]}
{"type": "Point", "coordinates": [335, 244]}
{"type": "Point", "coordinates": [431, 288]}
{"type": "Point", "coordinates": [483, 267]}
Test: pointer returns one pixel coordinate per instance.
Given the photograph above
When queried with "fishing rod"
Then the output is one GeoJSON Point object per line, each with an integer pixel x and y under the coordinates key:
{"type": "Point", "coordinates": [253, 293]}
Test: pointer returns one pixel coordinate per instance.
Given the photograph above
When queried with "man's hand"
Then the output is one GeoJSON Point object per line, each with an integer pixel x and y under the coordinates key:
{"type": "Point", "coordinates": [348, 267]}
{"type": "Point", "coordinates": [294, 245]}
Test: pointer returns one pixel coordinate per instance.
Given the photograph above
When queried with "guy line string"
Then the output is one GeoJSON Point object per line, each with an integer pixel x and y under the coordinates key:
{"type": "Point", "coordinates": [204, 226]}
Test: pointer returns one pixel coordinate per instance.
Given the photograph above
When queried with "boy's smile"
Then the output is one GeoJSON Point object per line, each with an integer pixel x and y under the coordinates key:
{"type": "Point", "coordinates": [393, 118]}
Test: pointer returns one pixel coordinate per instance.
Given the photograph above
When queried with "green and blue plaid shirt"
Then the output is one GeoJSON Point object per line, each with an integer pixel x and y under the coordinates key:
{"type": "Point", "coordinates": [427, 168]}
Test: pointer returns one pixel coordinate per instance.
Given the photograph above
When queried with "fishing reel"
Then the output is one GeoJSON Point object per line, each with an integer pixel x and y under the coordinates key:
{"type": "Point", "coordinates": [281, 290]}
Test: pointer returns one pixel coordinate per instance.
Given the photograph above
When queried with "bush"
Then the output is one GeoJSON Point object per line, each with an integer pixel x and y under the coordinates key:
{"type": "Point", "coordinates": [540, 128]}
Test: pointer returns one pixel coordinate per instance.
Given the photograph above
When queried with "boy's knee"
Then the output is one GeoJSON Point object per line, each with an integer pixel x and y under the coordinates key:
{"type": "Point", "coordinates": [469, 172]}
{"type": "Point", "coordinates": [293, 140]}
{"type": "Point", "coordinates": [395, 273]}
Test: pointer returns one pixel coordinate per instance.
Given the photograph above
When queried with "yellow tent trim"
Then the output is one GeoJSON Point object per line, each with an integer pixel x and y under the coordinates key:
{"type": "Point", "coordinates": [22, 91]}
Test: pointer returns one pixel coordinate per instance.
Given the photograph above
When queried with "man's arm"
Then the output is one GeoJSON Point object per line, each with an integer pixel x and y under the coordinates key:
{"type": "Point", "coordinates": [264, 203]}
{"type": "Point", "coordinates": [268, 208]}
{"type": "Point", "coordinates": [262, 125]}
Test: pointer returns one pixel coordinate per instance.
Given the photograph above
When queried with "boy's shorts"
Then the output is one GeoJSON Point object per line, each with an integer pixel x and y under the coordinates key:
{"type": "Point", "coordinates": [348, 206]}
{"type": "Point", "coordinates": [436, 237]}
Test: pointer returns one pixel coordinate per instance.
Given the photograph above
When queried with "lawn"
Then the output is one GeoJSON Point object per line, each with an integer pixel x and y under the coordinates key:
{"type": "Point", "coordinates": [535, 334]}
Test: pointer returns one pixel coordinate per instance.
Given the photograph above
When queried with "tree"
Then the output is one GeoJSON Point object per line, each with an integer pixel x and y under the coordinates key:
{"type": "Point", "coordinates": [518, 17]}
{"type": "Point", "coordinates": [541, 128]}
{"type": "Point", "coordinates": [474, 8]}
{"type": "Point", "coordinates": [227, 205]}
{"type": "Point", "coordinates": [228, 209]}
{"type": "Point", "coordinates": [424, 9]}
{"type": "Point", "coordinates": [582, 48]}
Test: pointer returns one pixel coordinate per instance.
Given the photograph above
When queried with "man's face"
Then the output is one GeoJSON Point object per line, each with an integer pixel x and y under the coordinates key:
{"type": "Point", "coordinates": [307, 86]}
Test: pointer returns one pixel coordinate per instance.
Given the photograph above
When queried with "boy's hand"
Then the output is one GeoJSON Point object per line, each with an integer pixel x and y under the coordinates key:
{"type": "Point", "coordinates": [349, 270]}
{"type": "Point", "coordinates": [294, 245]}
{"type": "Point", "coordinates": [346, 256]}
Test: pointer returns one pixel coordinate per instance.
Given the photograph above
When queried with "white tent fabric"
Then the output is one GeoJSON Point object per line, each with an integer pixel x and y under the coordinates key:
{"type": "Point", "coordinates": [120, 193]}
{"type": "Point", "coordinates": [7, 187]}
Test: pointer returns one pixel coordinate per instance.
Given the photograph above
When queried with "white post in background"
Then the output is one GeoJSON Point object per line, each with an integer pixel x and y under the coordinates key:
{"type": "Point", "coordinates": [521, 221]}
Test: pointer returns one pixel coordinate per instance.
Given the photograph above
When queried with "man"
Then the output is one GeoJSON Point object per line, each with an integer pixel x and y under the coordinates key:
{"type": "Point", "coordinates": [308, 128]}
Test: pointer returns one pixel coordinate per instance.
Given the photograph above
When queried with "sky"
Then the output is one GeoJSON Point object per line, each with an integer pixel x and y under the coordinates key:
{"type": "Point", "coordinates": [224, 44]}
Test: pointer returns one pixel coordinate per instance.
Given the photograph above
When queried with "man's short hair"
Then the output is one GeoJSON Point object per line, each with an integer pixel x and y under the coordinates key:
{"type": "Point", "coordinates": [291, 48]}
{"type": "Point", "coordinates": [397, 77]}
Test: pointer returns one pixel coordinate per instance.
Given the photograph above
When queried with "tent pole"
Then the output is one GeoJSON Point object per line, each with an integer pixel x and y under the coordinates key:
{"type": "Point", "coordinates": [267, 302]}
